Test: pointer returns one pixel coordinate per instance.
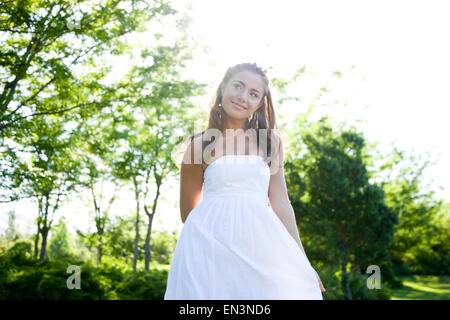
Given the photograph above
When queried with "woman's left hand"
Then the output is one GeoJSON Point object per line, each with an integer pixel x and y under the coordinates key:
{"type": "Point", "coordinates": [320, 282]}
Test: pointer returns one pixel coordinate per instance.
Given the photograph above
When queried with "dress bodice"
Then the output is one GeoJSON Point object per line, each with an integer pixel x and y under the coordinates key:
{"type": "Point", "coordinates": [237, 175]}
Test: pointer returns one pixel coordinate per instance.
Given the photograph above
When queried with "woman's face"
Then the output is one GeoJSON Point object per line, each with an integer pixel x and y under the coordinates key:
{"type": "Point", "coordinates": [243, 95]}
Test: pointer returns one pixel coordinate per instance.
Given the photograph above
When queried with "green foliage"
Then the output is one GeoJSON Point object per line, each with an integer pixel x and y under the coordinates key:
{"type": "Point", "coordinates": [23, 277]}
{"type": "Point", "coordinates": [331, 276]}
{"type": "Point", "coordinates": [421, 239]}
{"type": "Point", "coordinates": [146, 285]}
{"type": "Point", "coordinates": [48, 72]}
{"type": "Point", "coordinates": [360, 290]}
{"type": "Point", "coordinates": [69, 122]}
{"type": "Point", "coordinates": [60, 245]}
{"type": "Point", "coordinates": [345, 218]}
{"type": "Point", "coordinates": [342, 216]}
{"type": "Point", "coordinates": [27, 278]}
{"type": "Point", "coordinates": [163, 246]}
{"type": "Point", "coordinates": [20, 252]}
{"type": "Point", "coordinates": [11, 232]}
{"type": "Point", "coordinates": [119, 238]}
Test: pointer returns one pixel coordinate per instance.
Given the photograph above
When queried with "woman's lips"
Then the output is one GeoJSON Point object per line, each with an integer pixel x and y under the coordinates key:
{"type": "Point", "coordinates": [238, 106]}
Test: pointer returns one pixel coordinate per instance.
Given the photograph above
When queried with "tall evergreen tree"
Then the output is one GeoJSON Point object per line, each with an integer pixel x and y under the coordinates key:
{"type": "Point", "coordinates": [61, 243]}
{"type": "Point", "coordinates": [338, 209]}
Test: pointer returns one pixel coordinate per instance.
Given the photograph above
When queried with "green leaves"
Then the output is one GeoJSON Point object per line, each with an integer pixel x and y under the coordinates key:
{"type": "Point", "coordinates": [340, 211]}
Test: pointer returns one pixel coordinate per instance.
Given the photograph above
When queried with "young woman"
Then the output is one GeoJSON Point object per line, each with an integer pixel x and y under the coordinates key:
{"type": "Point", "coordinates": [233, 245]}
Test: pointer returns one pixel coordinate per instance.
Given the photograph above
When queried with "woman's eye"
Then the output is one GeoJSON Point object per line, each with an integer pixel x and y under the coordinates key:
{"type": "Point", "coordinates": [255, 95]}
{"type": "Point", "coordinates": [236, 85]}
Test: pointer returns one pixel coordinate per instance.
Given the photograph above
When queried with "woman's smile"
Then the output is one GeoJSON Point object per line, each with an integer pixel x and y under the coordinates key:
{"type": "Point", "coordinates": [238, 106]}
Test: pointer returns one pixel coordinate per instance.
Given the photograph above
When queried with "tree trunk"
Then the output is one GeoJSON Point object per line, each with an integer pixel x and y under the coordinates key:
{"type": "Point", "coordinates": [38, 232]}
{"type": "Point", "coordinates": [101, 216]}
{"type": "Point", "coordinates": [148, 253]}
{"type": "Point", "coordinates": [136, 238]}
{"type": "Point", "coordinates": [151, 215]}
{"type": "Point", "coordinates": [44, 228]}
{"type": "Point", "coordinates": [99, 253]}
{"type": "Point", "coordinates": [100, 232]}
{"type": "Point", "coordinates": [44, 243]}
{"type": "Point", "coordinates": [46, 224]}
{"type": "Point", "coordinates": [36, 242]}
{"type": "Point", "coordinates": [345, 276]}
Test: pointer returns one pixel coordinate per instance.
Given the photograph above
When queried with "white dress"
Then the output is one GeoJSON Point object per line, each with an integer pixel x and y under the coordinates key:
{"type": "Point", "coordinates": [233, 246]}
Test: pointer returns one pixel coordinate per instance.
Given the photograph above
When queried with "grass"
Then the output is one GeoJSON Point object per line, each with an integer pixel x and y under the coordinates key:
{"type": "Point", "coordinates": [423, 288]}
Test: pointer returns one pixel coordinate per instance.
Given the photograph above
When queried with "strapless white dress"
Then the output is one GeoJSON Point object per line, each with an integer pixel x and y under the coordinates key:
{"type": "Point", "coordinates": [233, 246]}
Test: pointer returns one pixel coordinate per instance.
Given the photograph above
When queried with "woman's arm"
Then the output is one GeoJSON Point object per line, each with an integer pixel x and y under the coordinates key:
{"type": "Point", "coordinates": [279, 199]}
{"type": "Point", "coordinates": [285, 213]}
{"type": "Point", "coordinates": [191, 179]}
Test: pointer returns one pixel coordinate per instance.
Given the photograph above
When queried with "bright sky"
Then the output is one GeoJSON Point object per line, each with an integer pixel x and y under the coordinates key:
{"type": "Point", "coordinates": [399, 87]}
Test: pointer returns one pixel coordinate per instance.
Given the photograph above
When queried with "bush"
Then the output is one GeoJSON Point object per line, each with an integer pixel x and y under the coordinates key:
{"type": "Point", "coordinates": [146, 285]}
{"type": "Point", "coordinates": [23, 277]}
{"type": "Point", "coordinates": [330, 282]}
{"type": "Point", "coordinates": [360, 290]}
{"type": "Point", "coordinates": [20, 253]}
{"type": "Point", "coordinates": [162, 246]}
{"type": "Point", "coordinates": [331, 277]}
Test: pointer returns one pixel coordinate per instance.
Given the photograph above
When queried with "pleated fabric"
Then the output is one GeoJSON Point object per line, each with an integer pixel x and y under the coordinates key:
{"type": "Point", "coordinates": [233, 246]}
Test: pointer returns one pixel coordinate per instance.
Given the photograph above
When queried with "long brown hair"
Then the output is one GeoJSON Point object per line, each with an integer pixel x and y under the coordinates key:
{"type": "Point", "coordinates": [262, 118]}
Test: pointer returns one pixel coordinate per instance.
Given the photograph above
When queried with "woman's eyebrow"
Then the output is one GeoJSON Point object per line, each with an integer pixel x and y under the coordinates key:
{"type": "Point", "coordinates": [244, 85]}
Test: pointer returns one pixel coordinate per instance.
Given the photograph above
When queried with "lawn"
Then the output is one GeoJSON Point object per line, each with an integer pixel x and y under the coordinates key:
{"type": "Point", "coordinates": [423, 288]}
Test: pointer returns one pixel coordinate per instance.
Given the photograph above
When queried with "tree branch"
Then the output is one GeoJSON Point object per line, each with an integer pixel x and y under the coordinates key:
{"type": "Point", "coordinates": [45, 113]}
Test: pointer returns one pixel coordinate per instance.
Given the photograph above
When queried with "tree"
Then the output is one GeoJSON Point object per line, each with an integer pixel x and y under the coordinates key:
{"type": "Point", "coordinates": [119, 238]}
{"type": "Point", "coordinates": [420, 236]}
{"type": "Point", "coordinates": [60, 246]}
{"type": "Point", "coordinates": [43, 41]}
{"type": "Point", "coordinates": [96, 168]}
{"type": "Point", "coordinates": [50, 172]}
{"type": "Point", "coordinates": [48, 66]}
{"type": "Point", "coordinates": [342, 213]}
{"type": "Point", "coordinates": [11, 233]}
{"type": "Point", "coordinates": [50, 81]}
{"type": "Point", "coordinates": [163, 245]}
{"type": "Point", "coordinates": [143, 132]}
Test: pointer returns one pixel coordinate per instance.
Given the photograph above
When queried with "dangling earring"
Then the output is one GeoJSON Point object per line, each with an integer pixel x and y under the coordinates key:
{"type": "Point", "coordinates": [251, 119]}
{"type": "Point", "coordinates": [220, 113]}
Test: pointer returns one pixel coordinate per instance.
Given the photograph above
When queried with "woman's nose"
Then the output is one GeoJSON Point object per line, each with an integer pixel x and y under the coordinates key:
{"type": "Point", "coordinates": [242, 96]}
